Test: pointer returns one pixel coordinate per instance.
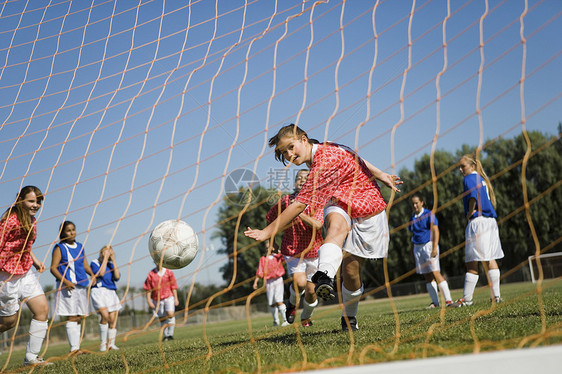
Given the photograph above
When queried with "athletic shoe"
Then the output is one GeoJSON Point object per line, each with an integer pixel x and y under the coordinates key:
{"type": "Point", "coordinates": [352, 324]}
{"type": "Point", "coordinates": [290, 313]}
{"type": "Point", "coordinates": [496, 299]}
{"type": "Point", "coordinates": [285, 323]}
{"type": "Point", "coordinates": [449, 303]}
{"type": "Point", "coordinates": [431, 306]}
{"type": "Point", "coordinates": [324, 286]}
{"type": "Point", "coordinates": [461, 303]}
{"type": "Point", "coordinates": [275, 324]}
{"type": "Point", "coordinates": [103, 347]}
{"type": "Point", "coordinates": [306, 322]}
{"type": "Point", "coordinates": [165, 339]}
{"type": "Point", "coordinates": [116, 348]}
{"type": "Point", "coordinates": [38, 361]}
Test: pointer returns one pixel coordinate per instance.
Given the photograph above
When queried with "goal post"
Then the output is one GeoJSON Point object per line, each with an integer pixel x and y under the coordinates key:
{"type": "Point", "coordinates": [550, 263]}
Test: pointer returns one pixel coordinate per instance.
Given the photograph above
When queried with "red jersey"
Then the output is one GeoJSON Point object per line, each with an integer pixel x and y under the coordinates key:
{"type": "Point", "coordinates": [160, 286]}
{"type": "Point", "coordinates": [271, 267]}
{"type": "Point", "coordinates": [337, 173]}
{"type": "Point", "coordinates": [15, 246]}
{"type": "Point", "coordinates": [298, 237]}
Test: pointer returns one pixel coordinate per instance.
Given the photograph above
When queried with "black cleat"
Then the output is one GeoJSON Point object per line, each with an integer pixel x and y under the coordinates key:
{"type": "Point", "coordinates": [324, 286]}
{"type": "Point", "coordinates": [352, 324]}
{"type": "Point", "coordinates": [290, 312]}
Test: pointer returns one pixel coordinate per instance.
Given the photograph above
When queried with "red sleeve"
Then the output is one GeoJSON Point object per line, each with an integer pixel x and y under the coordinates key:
{"type": "Point", "coordinates": [272, 214]}
{"type": "Point", "coordinates": [259, 273]}
{"type": "Point", "coordinates": [147, 283]}
{"type": "Point", "coordinates": [173, 283]}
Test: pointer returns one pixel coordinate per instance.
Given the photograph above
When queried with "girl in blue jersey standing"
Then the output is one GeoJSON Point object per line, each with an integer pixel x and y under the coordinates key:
{"type": "Point", "coordinates": [425, 247]}
{"type": "Point", "coordinates": [104, 296]}
{"type": "Point", "coordinates": [70, 266]}
{"type": "Point", "coordinates": [482, 239]}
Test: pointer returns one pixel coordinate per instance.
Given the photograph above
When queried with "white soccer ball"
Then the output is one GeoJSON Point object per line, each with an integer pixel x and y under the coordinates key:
{"type": "Point", "coordinates": [173, 243]}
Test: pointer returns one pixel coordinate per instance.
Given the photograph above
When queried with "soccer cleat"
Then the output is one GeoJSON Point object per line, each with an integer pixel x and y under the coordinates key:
{"type": "Point", "coordinates": [324, 286]}
{"type": "Point", "coordinates": [449, 303]}
{"type": "Point", "coordinates": [352, 324]}
{"type": "Point", "coordinates": [306, 322]}
{"type": "Point", "coordinates": [37, 361]}
{"type": "Point", "coordinates": [285, 323]}
{"type": "Point", "coordinates": [103, 347]}
{"type": "Point", "coordinates": [165, 339]}
{"type": "Point", "coordinates": [275, 323]}
{"type": "Point", "coordinates": [496, 300]}
{"type": "Point", "coordinates": [461, 303]}
{"type": "Point", "coordinates": [290, 312]}
{"type": "Point", "coordinates": [431, 306]}
{"type": "Point", "coordinates": [113, 347]}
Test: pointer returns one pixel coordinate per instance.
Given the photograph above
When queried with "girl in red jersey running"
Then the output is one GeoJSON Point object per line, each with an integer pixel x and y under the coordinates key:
{"type": "Point", "coordinates": [300, 244]}
{"type": "Point", "coordinates": [344, 185]}
{"type": "Point", "coordinates": [17, 282]}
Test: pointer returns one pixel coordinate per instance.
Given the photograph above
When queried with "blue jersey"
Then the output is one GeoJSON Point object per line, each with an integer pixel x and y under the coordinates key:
{"type": "Point", "coordinates": [106, 279]}
{"type": "Point", "coordinates": [475, 185]}
{"type": "Point", "coordinates": [420, 226]}
{"type": "Point", "coordinates": [71, 264]}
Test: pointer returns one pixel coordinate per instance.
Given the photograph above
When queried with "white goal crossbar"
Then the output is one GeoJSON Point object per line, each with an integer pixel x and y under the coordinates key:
{"type": "Point", "coordinates": [551, 269]}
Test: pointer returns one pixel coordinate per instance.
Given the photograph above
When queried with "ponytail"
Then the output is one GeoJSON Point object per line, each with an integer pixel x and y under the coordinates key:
{"type": "Point", "coordinates": [480, 170]}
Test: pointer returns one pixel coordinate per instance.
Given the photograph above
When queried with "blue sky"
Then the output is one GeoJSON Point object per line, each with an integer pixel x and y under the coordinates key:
{"type": "Point", "coordinates": [129, 113]}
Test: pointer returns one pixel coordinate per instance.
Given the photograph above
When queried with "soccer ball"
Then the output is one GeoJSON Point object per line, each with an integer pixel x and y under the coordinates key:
{"type": "Point", "coordinates": [173, 243]}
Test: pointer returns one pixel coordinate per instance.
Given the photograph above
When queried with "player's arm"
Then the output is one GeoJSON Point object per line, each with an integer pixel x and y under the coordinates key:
{"type": "Point", "coordinates": [310, 221]}
{"type": "Point", "coordinates": [116, 273]}
{"type": "Point", "coordinates": [434, 239]}
{"type": "Point", "coordinates": [88, 269]}
{"type": "Point", "coordinates": [471, 208]}
{"type": "Point", "coordinates": [39, 265]}
{"type": "Point", "coordinates": [149, 299]}
{"type": "Point", "coordinates": [176, 300]}
{"type": "Point", "coordinates": [391, 181]}
{"type": "Point", "coordinates": [282, 220]}
{"type": "Point", "coordinates": [55, 262]}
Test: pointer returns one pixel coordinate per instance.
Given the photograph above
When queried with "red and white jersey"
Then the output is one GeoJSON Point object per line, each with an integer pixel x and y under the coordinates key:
{"type": "Point", "coordinates": [15, 246]}
{"type": "Point", "coordinates": [299, 236]}
{"type": "Point", "coordinates": [271, 267]}
{"type": "Point", "coordinates": [160, 285]}
{"type": "Point", "coordinates": [338, 175]}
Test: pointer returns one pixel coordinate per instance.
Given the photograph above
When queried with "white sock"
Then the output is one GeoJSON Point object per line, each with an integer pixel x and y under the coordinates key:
{"type": "Point", "coordinates": [171, 322]}
{"type": "Point", "coordinates": [444, 287]}
{"type": "Point", "coordinates": [293, 295]}
{"type": "Point", "coordinates": [111, 334]}
{"type": "Point", "coordinates": [273, 311]}
{"type": "Point", "coordinates": [494, 275]}
{"type": "Point", "coordinates": [282, 309]}
{"type": "Point", "coordinates": [470, 281]}
{"type": "Point", "coordinates": [37, 333]}
{"type": "Point", "coordinates": [431, 288]}
{"type": "Point", "coordinates": [73, 335]}
{"type": "Point", "coordinates": [329, 259]}
{"type": "Point", "coordinates": [350, 301]}
{"type": "Point", "coordinates": [307, 309]}
{"type": "Point", "coordinates": [103, 334]}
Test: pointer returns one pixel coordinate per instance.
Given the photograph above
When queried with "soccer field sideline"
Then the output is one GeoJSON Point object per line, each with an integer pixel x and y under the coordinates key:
{"type": "Point", "coordinates": [525, 360]}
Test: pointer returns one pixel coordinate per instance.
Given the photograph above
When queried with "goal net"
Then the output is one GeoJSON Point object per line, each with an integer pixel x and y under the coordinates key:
{"type": "Point", "coordinates": [129, 113]}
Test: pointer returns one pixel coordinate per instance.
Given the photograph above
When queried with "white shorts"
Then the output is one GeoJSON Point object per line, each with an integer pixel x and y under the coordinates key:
{"type": "Point", "coordinates": [164, 306]}
{"type": "Point", "coordinates": [482, 240]}
{"type": "Point", "coordinates": [103, 297]}
{"type": "Point", "coordinates": [14, 288]}
{"type": "Point", "coordinates": [424, 262]}
{"type": "Point", "coordinates": [72, 302]}
{"type": "Point", "coordinates": [308, 266]}
{"type": "Point", "coordinates": [368, 237]}
{"type": "Point", "coordinates": [274, 290]}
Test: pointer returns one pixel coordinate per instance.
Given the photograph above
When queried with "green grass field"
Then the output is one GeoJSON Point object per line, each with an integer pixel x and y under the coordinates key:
{"type": "Point", "coordinates": [401, 329]}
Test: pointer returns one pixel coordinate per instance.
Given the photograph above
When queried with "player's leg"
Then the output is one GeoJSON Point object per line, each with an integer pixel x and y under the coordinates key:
{"type": "Point", "coordinates": [352, 290]}
{"type": "Point", "coordinates": [494, 280]}
{"type": "Point", "coordinates": [37, 328]}
{"type": "Point", "coordinates": [431, 287]}
{"type": "Point", "coordinates": [470, 282]}
{"type": "Point", "coordinates": [337, 224]}
{"type": "Point", "coordinates": [73, 332]}
{"type": "Point", "coordinates": [296, 268]}
{"type": "Point", "coordinates": [443, 286]}
{"type": "Point", "coordinates": [170, 321]}
{"type": "Point", "coordinates": [104, 327]}
{"type": "Point", "coordinates": [112, 331]}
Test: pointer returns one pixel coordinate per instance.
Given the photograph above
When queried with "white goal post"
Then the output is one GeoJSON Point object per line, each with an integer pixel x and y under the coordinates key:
{"type": "Point", "coordinates": [551, 264]}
